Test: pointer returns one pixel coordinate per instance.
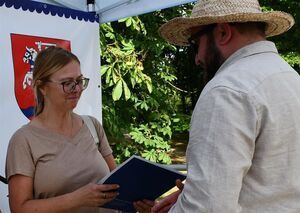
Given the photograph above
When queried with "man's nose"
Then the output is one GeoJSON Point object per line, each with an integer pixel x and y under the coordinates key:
{"type": "Point", "coordinates": [197, 59]}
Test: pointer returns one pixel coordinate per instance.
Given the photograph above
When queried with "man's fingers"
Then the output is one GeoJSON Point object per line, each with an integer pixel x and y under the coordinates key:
{"type": "Point", "coordinates": [160, 205]}
{"type": "Point", "coordinates": [148, 202]}
{"type": "Point", "coordinates": [179, 184]}
{"type": "Point", "coordinates": [161, 208]}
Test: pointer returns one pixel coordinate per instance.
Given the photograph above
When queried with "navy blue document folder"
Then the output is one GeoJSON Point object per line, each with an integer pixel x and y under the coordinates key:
{"type": "Point", "coordinates": [139, 179]}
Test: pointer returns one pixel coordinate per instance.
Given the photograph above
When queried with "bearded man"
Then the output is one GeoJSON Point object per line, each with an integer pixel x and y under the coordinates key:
{"type": "Point", "coordinates": [243, 153]}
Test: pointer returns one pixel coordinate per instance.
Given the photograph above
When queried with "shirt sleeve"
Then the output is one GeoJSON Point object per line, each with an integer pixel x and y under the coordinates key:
{"type": "Point", "coordinates": [219, 153]}
{"type": "Point", "coordinates": [19, 158]}
{"type": "Point", "coordinates": [104, 147]}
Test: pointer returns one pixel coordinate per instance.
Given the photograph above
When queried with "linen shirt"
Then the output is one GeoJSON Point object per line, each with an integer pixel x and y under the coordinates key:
{"type": "Point", "coordinates": [244, 148]}
{"type": "Point", "coordinates": [56, 163]}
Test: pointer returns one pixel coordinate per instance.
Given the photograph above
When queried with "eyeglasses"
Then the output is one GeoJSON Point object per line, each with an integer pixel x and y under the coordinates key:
{"type": "Point", "coordinates": [194, 39]}
{"type": "Point", "coordinates": [69, 86]}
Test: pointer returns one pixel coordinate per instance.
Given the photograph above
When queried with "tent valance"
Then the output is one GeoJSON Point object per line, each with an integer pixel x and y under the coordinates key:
{"type": "Point", "coordinates": [112, 10]}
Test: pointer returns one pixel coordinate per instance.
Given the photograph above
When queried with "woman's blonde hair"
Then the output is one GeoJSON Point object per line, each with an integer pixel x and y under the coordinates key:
{"type": "Point", "coordinates": [48, 62]}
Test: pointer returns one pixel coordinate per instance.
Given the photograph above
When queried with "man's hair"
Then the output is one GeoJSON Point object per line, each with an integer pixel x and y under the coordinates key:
{"type": "Point", "coordinates": [250, 27]}
{"type": "Point", "coordinates": [48, 62]}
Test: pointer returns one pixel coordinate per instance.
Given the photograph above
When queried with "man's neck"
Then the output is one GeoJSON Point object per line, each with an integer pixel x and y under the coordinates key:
{"type": "Point", "coordinates": [239, 42]}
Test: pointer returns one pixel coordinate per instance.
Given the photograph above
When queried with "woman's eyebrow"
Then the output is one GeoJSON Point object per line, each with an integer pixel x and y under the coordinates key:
{"type": "Point", "coordinates": [69, 78]}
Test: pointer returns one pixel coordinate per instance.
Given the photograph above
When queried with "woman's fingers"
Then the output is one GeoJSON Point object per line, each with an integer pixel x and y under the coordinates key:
{"type": "Point", "coordinates": [109, 195]}
{"type": "Point", "coordinates": [107, 187]}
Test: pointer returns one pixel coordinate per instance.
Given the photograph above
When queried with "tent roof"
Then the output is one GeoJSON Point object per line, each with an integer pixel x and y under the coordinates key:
{"type": "Point", "coordinates": [112, 10]}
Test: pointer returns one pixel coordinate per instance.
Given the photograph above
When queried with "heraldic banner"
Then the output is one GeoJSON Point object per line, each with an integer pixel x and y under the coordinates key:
{"type": "Point", "coordinates": [26, 28]}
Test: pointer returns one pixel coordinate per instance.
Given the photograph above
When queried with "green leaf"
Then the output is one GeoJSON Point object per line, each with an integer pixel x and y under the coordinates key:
{"type": "Point", "coordinates": [127, 92]}
{"type": "Point", "coordinates": [127, 47]}
{"type": "Point", "coordinates": [115, 76]}
{"type": "Point", "coordinates": [150, 155]}
{"type": "Point", "coordinates": [144, 105]}
{"type": "Point", "coordinates": [104, 69]}
{"type": "Point", "coordinates": [108, 74]}
{"type": "Point", "coordinates": [117, 91]}
{"type": "Point", "coordinates": [122, 20]}
{"type": "Point", "coordinates": [165, 158]}
{"type": "Point", "coordinates": [149, 86]}
{"type": "Point", "coordinates": [128, 22]}
{"type": "Point", "coordinates": [127, 153]}
{"type": "Point", "coordinates": [110, 35]}
{"type": "Point", "coordinates": [133, 82]}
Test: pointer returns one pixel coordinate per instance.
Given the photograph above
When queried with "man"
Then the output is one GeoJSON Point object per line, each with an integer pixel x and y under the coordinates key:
{"type": "Point", "coordinates": [244, 147]}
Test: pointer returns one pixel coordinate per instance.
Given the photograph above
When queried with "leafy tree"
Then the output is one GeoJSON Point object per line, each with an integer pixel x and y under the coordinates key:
{"type": "Point", "coordinates": [288, 43]}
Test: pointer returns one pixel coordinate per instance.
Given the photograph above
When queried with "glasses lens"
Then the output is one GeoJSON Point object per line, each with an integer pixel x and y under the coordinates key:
{"type": "Point", "coordinates": [194, 47]}
{"type": "Point", "coordinates": [83, 83]}
{"type": "Point", "coordinates": [70, 86]}
{"type": "Point", "coordinates": [194, 39]}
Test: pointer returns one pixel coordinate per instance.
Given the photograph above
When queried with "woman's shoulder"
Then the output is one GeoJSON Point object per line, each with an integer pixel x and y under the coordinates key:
{"type": "Point", "coordinates": [20, 134]}
{"type": "Point", "coordinates": [22, 130]}
{"type": "Point", "coordinates": [94, 120]}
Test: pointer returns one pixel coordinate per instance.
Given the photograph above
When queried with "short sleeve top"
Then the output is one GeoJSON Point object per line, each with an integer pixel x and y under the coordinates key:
{"type": "Point", "coordinates": [57, 164]}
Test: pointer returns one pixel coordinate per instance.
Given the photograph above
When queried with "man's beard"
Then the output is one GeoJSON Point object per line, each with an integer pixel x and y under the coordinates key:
{"type": "Point", "coordinates": [213, 58]}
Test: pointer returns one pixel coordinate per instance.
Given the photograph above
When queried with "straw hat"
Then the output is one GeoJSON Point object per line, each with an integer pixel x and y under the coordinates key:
{"type": "Point", "coordinates": [205, 12]}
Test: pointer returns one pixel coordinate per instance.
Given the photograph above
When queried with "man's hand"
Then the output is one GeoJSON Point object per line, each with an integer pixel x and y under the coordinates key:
{"type": "Point", "coordinates": [143, 206]}
{"type": "Point", "coordinates": [165, 204]}
{"type": "Point", "coordinates": [179, 184]}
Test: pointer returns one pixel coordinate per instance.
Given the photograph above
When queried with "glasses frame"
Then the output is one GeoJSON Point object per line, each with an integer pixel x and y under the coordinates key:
{"type": "Point", "coordinates": [195, 37]}
{"type": "Point", "coordinates": [83, 80]}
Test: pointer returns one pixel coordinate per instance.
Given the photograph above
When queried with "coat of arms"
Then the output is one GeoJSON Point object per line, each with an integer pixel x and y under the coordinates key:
{"type": "Point", "coordinates": [24, 51]}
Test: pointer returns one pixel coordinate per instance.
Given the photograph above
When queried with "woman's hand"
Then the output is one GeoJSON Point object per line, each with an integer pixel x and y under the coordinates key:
{"type": "Point", "coordinates": [95, 195]}
{"type": "Point", "coordinates": [21, 197]}
{"type": "Point", "coordinates": [143, 206]}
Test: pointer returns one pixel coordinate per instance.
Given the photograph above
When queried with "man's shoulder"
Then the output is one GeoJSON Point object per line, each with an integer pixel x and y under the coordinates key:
{"type": "Point", "coordinates": [249, 73]}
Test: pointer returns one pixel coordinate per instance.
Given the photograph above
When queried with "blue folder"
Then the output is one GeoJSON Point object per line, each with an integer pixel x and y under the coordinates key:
{"type": "Point", "coordinates": [139, 179]}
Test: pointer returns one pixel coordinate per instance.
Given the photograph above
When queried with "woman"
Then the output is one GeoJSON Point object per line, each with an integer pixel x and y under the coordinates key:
{"type": "Point", "coordinates": [53, 163]}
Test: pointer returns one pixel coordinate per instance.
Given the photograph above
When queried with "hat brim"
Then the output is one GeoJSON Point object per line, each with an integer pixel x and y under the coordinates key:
{"type": "Point", "coordinates": [177, 31]}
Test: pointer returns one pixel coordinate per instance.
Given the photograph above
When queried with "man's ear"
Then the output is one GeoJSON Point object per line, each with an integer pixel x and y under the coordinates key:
{"type": "Point", "coordinates": [223, 34]}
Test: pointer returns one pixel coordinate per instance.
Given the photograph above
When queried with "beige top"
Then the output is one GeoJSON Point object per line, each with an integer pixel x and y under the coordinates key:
{"type": "Point", "coordinates": [244, 147]}
{"type": "Point", "coordinates": [58, 164]}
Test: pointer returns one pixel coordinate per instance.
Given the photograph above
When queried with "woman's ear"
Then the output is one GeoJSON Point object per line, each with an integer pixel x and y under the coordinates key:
{"type": "Point", "coordinates": [223, 34]}
{"type": "Point", "coordinates": [40, 86]}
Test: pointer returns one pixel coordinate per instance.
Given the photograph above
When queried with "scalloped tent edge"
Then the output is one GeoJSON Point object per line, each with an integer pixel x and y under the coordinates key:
{"type": "Point", "coordinates": [54, 10]}
{"type": "Point", "coordinates": [112, 10]}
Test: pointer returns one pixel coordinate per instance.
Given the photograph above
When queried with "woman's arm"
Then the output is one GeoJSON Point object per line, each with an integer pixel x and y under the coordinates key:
{"type": "Point", "coordinates": [21, 197]}
{"type": "Point", "coordinates": [110, 160]}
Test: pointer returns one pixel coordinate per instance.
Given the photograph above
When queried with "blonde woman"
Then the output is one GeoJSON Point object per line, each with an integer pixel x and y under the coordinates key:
{"type": "Point", "coordinates": [53, 163]}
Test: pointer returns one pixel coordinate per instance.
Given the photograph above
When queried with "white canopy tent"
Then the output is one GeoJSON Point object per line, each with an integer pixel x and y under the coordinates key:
{"type": "Point", "coordinates": [112, 10]}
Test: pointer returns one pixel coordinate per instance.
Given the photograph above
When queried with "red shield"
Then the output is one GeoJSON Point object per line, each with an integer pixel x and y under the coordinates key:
{"type": "Point", "coordinates": [24, 50]}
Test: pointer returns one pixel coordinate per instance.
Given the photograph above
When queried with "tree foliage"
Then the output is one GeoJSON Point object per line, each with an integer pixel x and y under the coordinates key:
{"type": "Point", "coordinates": [150, 87]}
{"type": "Point", "coordinates": [288, 43]}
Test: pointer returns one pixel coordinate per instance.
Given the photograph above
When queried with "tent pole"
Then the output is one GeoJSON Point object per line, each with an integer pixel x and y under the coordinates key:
{"type": "Point", "coordinates": [90, 5]}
